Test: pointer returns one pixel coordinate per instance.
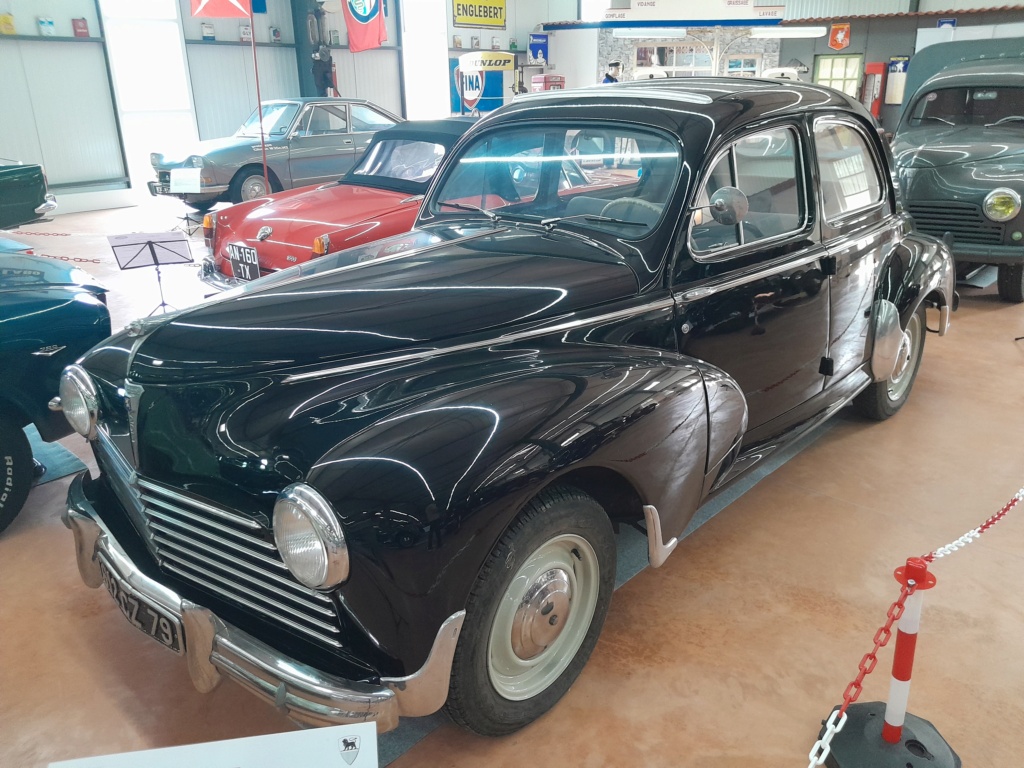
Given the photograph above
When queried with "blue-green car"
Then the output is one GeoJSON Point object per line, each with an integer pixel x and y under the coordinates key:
{"type": "Point", "coordinates": [50, 314]}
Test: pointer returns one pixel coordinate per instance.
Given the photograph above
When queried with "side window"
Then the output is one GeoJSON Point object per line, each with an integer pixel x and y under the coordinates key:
{"type": "Point", "coordinates": [766, 167]}
{"type": "Point", "coordinates": [366, 119]}
{"type": "Point", "coordinates": [325, 120]}
{"type": "Point", "coordinates": [849, 177]}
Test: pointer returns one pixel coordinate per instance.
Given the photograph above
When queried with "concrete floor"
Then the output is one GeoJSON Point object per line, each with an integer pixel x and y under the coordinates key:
{"type": "Point", "coordinates": [729, 655]}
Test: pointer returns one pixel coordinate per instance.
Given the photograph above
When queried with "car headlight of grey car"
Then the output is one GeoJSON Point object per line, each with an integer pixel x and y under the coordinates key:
{"type": "Point", "coordinates": [195, 161]}
{"type": "Point", "coordinates": [309, 537]}
{"type": "Point", "coordinates": [1002, 204]}
{"type": "Point", "coordinates": [79, 400]}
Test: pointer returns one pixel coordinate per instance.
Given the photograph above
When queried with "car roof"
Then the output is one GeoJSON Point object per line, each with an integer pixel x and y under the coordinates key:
{"type": "Point", "coordinates": [979, 73]}
{"type": "Point", "coordinates": [446, 129]}
{"type": "Point", "coordinates": [319, 99]}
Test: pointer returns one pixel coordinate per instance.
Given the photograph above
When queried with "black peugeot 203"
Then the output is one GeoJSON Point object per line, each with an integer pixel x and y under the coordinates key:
{"type": "Point", "coordinates": [388, 480]}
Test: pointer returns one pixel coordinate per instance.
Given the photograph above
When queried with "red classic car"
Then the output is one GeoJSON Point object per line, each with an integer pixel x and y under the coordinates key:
{"type": "Point", "coordinates": [378, 198]}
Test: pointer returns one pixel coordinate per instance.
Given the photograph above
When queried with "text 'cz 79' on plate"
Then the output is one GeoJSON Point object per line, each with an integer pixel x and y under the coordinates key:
{"type": "Point", "coordinates": [164, 629]}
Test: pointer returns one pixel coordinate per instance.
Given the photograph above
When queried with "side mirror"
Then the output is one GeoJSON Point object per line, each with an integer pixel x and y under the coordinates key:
{"type": "Point", "coordinates": [729, 206]}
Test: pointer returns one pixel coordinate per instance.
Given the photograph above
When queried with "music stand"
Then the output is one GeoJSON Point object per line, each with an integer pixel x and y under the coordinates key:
{"type": "Point", "coordinates": [151, 250]}
{"type": "Point", "coordinates": [190, 223]}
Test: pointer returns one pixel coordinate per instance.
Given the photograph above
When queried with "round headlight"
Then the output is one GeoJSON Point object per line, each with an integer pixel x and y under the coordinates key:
{"type": "Point", "coordinates": [309, 537]}
{"type": "Point", "coordinates": [79, 400]}
{"type": "Point", "coordinates": [1002, 204]}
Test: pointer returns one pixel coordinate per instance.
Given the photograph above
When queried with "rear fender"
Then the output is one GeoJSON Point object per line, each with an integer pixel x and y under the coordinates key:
{"type": "Point", "coordinates": [920, 269]}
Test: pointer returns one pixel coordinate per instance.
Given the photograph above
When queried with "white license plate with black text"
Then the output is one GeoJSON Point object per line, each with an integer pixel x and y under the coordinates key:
{"type": "Point", "coordinates": [165, 629]}
{"type": "Point", "coordinates": [245, 264]}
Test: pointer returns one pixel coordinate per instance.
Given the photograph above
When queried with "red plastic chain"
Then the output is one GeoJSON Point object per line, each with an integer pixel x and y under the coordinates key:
{"type": "Point", "coordinates": [882, 636]}
{"type": "Point", "coordinates": [971, 535]}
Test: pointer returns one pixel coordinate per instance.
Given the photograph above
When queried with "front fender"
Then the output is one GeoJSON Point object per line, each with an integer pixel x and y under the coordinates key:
{"type": "Point", "coordinates": [426, 490]}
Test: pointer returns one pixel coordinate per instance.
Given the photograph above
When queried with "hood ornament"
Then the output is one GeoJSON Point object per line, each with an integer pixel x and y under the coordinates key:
{"type": "Point", "coordinates": [264, 233]}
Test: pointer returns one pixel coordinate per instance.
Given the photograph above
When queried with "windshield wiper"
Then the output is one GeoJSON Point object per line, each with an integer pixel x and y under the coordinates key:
{"type": "Point", "coordinates": [1007, 119]}
{"type": "Point", "coordinates": [466, 207]}
{"type": "Point", "coordinates": [550, 223]}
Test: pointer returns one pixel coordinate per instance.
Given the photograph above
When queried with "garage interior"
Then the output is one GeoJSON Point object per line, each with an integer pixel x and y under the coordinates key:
{"type": "Point", "coordinates": [730, 654]}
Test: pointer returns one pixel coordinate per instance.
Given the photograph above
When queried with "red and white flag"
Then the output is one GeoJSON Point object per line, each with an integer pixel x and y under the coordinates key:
{"type": "Point", "coordinates": [364, 21]}
{"type": "Point", "coordinates": [221, 9]}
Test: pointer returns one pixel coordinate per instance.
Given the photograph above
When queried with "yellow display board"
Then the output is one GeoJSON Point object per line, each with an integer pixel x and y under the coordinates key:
{"type": "Point", "coordinates": [479, 13]}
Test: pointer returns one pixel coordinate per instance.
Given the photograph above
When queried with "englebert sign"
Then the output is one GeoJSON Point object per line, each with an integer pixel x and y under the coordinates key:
{"type": "Point", "coordinates": [479, 13]}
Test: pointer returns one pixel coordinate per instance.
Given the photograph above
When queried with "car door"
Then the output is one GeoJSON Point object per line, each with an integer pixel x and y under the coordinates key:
{"type": "Point", "coordinates": [751, 297]}
{"type": "Point", "coordinates": [321, 148]}
{"type": "Point", "coordinates": [858, 230]}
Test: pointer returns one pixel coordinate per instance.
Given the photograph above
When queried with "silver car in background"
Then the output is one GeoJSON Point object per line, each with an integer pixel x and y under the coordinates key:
{"type": "Point", "coordinates": [309, 141]}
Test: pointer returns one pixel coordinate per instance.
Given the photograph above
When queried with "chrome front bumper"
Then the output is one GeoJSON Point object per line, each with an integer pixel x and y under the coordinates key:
{"type": "Point", "coordinates": [214, 648]}
{"type": "Point", "coordinates": [49, 204]}
{"type": "Point", "coordinates": [217, 280]}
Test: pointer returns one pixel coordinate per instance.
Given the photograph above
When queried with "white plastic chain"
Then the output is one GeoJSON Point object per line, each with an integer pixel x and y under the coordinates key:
{"type": "Point", "coordinates": [823, 746]}
{"type": "Point", "coordinates": [971, 535]}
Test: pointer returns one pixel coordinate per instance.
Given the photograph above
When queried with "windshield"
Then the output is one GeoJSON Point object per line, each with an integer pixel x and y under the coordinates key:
{"type": "Point", "coordinates": [970, 106]}
{"type": "Point", "coordinates": [405, 159]}
{"type": "Point", "coordinates": [276, 119]}
{"type": "Point", "coordinates": [615, 179]}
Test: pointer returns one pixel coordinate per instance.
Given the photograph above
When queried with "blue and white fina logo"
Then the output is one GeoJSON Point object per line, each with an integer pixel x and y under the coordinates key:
{"type": "Point", "coordinates": [364, 11]}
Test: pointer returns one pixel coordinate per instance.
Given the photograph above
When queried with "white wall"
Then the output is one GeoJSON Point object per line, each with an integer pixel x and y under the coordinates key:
{"type": "Point", "coordinates": [573, 53]}
{"type": "Point", "coordinates": [425, 59]}
{"type": "Point", "coordinates": [926, 37]}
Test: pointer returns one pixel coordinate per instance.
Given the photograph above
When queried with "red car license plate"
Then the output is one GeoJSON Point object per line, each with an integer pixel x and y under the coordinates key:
{"type": "Point", "coordinates": [161, 627]}
{"type": "Point", "coordinates": [245, 264]}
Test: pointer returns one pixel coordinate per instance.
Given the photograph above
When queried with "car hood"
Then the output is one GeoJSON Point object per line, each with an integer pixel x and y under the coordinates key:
{"type": "Point", "coordinates": [296, 218]}
{"type": "Point", "coordinates": [19, 272]}
{"type": "Point", "coordinates": [413, 293]}
{"type": "Point", "coordinates": [928, 147]}
{"type": "Point", "coordinates": [207, 148]}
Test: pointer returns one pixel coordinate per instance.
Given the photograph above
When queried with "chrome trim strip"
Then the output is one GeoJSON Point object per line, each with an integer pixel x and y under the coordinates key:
{"type": "Point", "coordinates": [509, 339]}
{"type": "Point", "coordinates": [944, 317]}
{"type": "Point", "coordinates": [214, 647]}
{"type": "Point", "coordinates": [658, 550]}
{"type": "Point", "coordinates": [163, 515]}
{"type": "Point", "coordinates": [262, 609]}
{"type": "Point", "coordinates": [246, 522]}
{"type": "Point", "coordinates": [709, 290]}
{"type": "Point", "coordinates": [256, 577]}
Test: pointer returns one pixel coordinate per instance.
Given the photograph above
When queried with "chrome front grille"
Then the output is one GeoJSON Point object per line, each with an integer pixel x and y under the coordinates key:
{"type": "Point", "coordinates": [965, 221]}
{"type": "Point", "coordinates": [219, 551]}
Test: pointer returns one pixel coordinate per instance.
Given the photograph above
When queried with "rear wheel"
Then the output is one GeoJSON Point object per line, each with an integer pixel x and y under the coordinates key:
{"type": "Point", "coordinates": [1011, 282]}
{"type": "Point", "coordinates": [534, 614]}
{"type": "Point", "coordinates": [882, 399]}
{"type": "Point", "coordinates": [16, 470]}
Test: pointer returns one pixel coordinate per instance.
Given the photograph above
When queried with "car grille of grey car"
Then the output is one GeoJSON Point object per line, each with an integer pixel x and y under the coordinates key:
{"type": "Point", "coordinates": [964, 221]}
{"type": "Point", "coordinates": [219, 551]}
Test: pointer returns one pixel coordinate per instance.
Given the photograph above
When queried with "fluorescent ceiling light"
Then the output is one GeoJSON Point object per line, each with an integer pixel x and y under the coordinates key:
{"type": "Point", "coordinates": [650, 33]}
{"type": "Point", "coordinates": [789, 32]}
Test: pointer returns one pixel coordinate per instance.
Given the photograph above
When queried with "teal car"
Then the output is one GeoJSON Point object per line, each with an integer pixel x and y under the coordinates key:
{"type": "Point", "coordinates": [23, 194]}
{"type": "Point", "coordinates": [50, 314]}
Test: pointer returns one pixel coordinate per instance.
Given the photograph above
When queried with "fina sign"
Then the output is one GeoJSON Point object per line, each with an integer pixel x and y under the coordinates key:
{"type": "Point", "coordinates": [479, 13]}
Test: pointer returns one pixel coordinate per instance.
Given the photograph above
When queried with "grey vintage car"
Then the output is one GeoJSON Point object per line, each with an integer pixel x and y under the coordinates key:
{"type": "Point", "coordinates": [959, 152]}
{"type": "Point", "coordinates": [308, 140]}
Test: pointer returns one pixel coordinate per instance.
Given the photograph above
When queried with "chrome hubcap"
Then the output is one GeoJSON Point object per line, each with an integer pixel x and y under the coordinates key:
{"type": "Point", "coordinates": [253, 187]}
{"type": "Point", "coordinates": [906, 360]}
{"type": "Point", "coordinates": [542, 614]}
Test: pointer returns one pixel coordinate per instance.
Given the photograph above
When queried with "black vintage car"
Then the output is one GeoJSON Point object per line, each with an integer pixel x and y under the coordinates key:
{"type": "Point", "coordinates": [388, 480]}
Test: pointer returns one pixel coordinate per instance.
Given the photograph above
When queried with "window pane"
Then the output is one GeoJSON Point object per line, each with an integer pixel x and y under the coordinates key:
{"type": "Point", "coordinates": [825, 69]}
{"type": "Point", "coordinates": [706, 234]}
{"type": "Point", "coordinates": [849, 178]}
{"type": "Point", "coordinates": [366, 119]}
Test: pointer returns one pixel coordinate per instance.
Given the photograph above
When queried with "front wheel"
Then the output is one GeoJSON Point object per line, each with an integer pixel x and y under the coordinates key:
{"type": "Point", "coordinates": [1011, 282]}
{"type": "Point", "coordinates": [534, 614]}
{"type": "Point", "coordinates": [16, 470]}
{"type": "Point", "coordinates": [882, 399]}
{"type": "Point", "coordinates": [249, 184]}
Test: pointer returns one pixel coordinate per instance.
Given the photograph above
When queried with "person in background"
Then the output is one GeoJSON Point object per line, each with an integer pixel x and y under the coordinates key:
{"type": "Point", "coordinates": [612, 74]}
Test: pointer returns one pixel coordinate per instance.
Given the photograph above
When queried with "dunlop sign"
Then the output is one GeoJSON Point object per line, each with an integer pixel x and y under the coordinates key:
{"type": "Point", "coordinates": [479, 13]}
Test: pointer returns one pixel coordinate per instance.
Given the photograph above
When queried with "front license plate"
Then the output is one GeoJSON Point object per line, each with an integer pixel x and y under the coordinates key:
{"type": "Point", "coordinates": [245, 265]}
{"type": "Point", "coordinates": [165, 629]}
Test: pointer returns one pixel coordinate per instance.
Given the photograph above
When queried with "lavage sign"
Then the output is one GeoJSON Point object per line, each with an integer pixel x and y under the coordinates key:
{"type": "Point", "coordinates": [479, 13]}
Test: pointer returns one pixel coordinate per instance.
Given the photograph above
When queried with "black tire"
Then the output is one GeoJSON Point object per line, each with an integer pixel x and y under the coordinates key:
{"type": "Point", "coordinates": [201, 206]}
{"type": "Point", "coordinates": [239, 190]}
{"type": "Point", "coordinates": [562, 520]}
{"type": "Point", "coordinates": [882, 399]}
{"type": "Point", "coordinates": [1011, 283]}
{"type": "Point", "coordinates": [16, 470]}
